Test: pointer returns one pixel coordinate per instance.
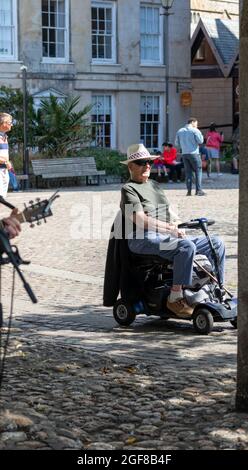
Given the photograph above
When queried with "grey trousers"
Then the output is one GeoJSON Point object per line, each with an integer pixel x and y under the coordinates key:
{"type": "Point", "coordinates": [180, 251]}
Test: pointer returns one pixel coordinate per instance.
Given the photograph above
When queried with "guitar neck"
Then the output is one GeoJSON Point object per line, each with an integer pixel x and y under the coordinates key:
{"type": "Point", "coordinates": [20, 217]}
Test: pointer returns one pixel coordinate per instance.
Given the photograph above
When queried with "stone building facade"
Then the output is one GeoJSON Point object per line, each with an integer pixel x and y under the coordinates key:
{"type": "Point", "coordinates": [110, 53]}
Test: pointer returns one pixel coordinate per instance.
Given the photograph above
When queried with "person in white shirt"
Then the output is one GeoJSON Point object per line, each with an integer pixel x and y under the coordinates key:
{"type": "Point", "coordinates": [5, 126]}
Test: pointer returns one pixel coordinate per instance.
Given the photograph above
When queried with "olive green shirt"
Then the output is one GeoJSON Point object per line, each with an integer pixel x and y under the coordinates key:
{"type": "Point", "coordinates": [147, 197]}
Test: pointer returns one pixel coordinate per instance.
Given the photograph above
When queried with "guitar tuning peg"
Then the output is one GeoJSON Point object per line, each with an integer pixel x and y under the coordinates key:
{"type": "Point", "coordinates": [32, 225]}
{"type": "Point", "coordinates": [31, 202]}
{"type": "Point", "coordinates": [37, 199]}
{"type": "Point", "coordinates": [45, 220]}
{"type": "Point", "coordinates": [25, 205]}
{"type": "Point", "coordinates": [38, 223]}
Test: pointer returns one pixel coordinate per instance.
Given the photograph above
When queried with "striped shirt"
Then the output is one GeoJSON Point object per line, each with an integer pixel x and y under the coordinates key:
{"type": "Point", "coordinates": [4, 148]}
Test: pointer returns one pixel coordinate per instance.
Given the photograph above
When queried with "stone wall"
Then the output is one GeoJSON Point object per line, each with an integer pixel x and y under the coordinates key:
{"type": "Point", "coordinates": [212, 101]}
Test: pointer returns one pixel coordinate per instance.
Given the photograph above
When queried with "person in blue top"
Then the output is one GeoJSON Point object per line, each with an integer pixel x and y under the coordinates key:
{"type": "Point", "coordinates": [188, 139]}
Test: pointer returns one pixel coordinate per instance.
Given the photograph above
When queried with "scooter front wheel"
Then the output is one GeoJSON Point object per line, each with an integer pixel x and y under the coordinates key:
{"type": "Point", "coordinates": [123, 313]}
{"type": "Point", "coordinates": [203, 321]}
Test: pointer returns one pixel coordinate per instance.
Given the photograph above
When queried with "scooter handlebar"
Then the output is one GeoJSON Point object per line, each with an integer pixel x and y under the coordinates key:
{"type": "Point", "coordinates": [196, 223]}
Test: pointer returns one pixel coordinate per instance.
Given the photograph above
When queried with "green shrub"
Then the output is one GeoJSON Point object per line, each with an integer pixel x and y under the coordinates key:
{"type": "Point", "coordinates": [106, 159]}
{"type": "Point", "coordinates": [227, 152]}
{"type": "Point", "coordinates": [17, 161]}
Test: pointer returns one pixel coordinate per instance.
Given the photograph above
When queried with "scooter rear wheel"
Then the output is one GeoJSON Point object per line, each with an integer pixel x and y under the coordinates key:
{"type": "Point", "coordinates": [203, 321]}
{"type": "Point", "coordinates": [123, 313]}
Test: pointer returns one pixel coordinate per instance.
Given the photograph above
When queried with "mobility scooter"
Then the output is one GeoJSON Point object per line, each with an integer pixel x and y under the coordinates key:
{"type": "Point", "coordinates": [211, 301]}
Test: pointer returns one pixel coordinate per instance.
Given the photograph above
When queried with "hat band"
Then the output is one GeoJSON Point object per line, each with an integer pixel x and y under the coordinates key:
{"type": "Point", "coordinates": [135, 156]}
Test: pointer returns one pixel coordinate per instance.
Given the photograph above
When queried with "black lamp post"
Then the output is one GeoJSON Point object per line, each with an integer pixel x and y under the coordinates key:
{"type": "Point", "coordinates": [167, 4]}
{"type": "Point", "coordinates": [25, 147]}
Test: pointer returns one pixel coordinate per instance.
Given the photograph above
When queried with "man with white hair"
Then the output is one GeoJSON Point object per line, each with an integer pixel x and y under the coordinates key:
{"type": "Point", "coordinates": [150, 228]}
{"type": "Point", "coordinates": [5, 165]}
{"type": "Point", "coordinates": [10, 225]}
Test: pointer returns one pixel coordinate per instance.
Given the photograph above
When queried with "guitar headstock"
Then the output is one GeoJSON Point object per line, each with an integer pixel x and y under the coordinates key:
{"type": "Point", "coordinates": [38, 210]}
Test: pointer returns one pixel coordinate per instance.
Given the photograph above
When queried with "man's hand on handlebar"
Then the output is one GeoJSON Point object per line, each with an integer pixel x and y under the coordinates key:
{"type": "Point", "coordinates": [175, 232]}
{"type": "Point", "coordinates": [12, 225]}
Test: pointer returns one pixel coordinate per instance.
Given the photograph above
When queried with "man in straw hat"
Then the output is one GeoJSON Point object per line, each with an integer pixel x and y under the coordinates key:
{"type": "Point", "coordinates": [150, 228]}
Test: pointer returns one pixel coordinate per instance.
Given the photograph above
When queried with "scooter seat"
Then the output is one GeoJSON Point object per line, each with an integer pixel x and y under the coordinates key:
{"type": "Point", "coordinates": [148, 260]}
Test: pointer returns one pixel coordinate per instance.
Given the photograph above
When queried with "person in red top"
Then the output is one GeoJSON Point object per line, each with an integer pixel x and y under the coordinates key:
{"type": "Point", "coordinates": [159, 164]}
{"type": "Point", "coordinates": [170, 160]}
{"type": "Point", "coordinates": [214, 140]}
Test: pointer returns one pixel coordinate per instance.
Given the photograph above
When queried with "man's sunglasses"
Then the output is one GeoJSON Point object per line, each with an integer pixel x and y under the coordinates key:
{"type": "Point", "coordinates": [143, 162]}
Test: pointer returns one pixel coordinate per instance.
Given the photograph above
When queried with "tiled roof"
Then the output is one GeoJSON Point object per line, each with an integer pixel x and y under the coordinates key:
{"type": "Point", "coordinates": [223, 39]}
{"type": "Point", "coordinates": [225, 36]}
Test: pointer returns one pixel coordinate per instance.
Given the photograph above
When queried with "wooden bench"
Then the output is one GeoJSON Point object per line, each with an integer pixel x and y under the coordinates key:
{"type": "Point", "coordinates": [66, 168]}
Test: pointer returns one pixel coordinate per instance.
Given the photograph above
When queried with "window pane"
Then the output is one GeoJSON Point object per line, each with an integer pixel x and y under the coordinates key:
{"type": "Point", "coordinates": [60, 36]}
{"type": "Point", "coordinates": [108, 48]}
{"type": "Point", "coordinates": [44, 35]}
{"type": "Point", "coordinates": [94, 51]}
{"type": "Point", "coordinates": [101, 12]}
{"type": "Point", "coordinates": [44, 5]}
{"type": "Point", "coordinates": [108, 27]}
{"type": "Point", "coordinates": [94, 13]}
{"type": "Point", "coordinates": [45, 49]}
{"type": "Point", "coordinates": [94, 26]}
{"type": "Point", "coordinates": [52, 35]}
{"type": "Point", "coordinates": [61, 20]}
{"type": "Point", "coordinates": [45, 19]}
{"type": "Point", "coordinates": [60, 50]}
{"type": "Point", "coordinates": [52, 50]}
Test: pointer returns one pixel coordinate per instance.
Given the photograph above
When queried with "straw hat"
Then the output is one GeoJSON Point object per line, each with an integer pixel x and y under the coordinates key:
{"type": "Point", "coordinates": [138, 152]}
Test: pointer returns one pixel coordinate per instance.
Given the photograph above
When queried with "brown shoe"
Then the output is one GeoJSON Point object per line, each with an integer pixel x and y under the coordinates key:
{"type": "Point", "coordinates": [180, 308]}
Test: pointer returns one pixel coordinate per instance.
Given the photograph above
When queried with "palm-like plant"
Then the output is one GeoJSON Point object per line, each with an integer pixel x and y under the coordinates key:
{"type": "Point", "coordinates": [61, 129]}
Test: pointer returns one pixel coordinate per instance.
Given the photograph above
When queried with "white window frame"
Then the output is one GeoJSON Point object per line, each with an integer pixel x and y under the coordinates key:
{"type": "Point", "coordinates": [112, 60]}
{"type": "Point", "coordinates": [113, 118]}
{"type": "Point", "coordinates": [59, 60]}
{"type": "Point", "coordinates": [160, 121]}
{"type": "Point", "coordinates": [45, 94]}
{"type": "Point", "coordinates": [14, 56]}
{"type": "Point", "coordinates": [158, 61]}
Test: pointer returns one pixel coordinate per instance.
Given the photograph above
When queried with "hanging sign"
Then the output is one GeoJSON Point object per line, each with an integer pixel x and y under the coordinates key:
{"type": "Point", "coordinates": [186, 98]}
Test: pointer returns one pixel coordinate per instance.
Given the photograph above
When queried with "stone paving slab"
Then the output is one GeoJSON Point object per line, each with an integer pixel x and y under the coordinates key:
{"type": "Point", "coordinates": [74, 379]}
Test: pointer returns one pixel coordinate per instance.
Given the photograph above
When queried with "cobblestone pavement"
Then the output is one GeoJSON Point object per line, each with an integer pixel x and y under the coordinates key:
{"type": "Point", "coordinates": [75, 380]}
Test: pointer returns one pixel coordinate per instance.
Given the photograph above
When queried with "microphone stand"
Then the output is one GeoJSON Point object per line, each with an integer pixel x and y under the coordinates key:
{"type": "Point", "coordinates": [13, 257]}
